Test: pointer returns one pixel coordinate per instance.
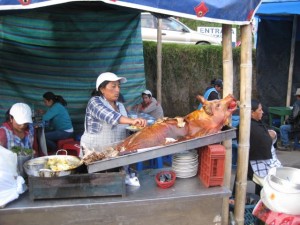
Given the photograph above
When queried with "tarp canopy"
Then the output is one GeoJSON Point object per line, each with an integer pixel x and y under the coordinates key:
{"type": "Point", "coordinates": [273, 52]}
{"type": "Point", "coordinates": [63, 48]}
{"type": "Point", "coordinates": [226, 11]}
{"type": "Point", "coordinates": [63, 45]}
{"type": "Point", "coordinates": [279, 7]}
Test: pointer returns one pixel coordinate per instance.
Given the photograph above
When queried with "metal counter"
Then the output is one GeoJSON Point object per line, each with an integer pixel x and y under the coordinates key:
{"type": "Point", "coordinates": [187, 202]}
{"type": "Point", "coordinates": [143, 155]}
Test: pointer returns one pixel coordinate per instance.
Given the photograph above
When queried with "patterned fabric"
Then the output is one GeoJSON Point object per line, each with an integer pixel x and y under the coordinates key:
{"type": "Point", "coordinates": [266, 215]}
{"type": "Point", "coordinates": [99, 111]}
{"type": "Point", "coordinates": [262, 167]}
{"type": "Point", "coordinates": [13, 140]}
{"type": "Point", "coordinates": [63, 49]}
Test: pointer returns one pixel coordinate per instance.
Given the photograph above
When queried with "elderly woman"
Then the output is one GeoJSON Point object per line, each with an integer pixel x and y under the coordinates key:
{"type": "Point", "coordinates": [17, 130]}
{"type": "Point", "coordinates": [106, 118]}
{"type": "Point", "coordinates": [150, 105]}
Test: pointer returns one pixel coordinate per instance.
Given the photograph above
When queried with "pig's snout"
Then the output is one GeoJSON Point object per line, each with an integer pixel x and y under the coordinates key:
{"type": "Point", "coordinates": [232, 105]}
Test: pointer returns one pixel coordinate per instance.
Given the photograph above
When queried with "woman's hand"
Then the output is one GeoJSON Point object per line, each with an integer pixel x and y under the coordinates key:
{"type": "Point", "coordinates": [139, 122]}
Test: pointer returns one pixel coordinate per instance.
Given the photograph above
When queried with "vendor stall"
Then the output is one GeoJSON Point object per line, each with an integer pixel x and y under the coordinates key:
{"type": "Point", "coordinates": [230, 12]}
{"type": "Point", "coordinates": [185, 201]}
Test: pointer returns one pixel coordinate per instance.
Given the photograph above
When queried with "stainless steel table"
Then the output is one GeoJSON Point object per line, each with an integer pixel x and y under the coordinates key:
{"type": "Point", "coordinates": [187, 202]}
{"type": "Point", "coordinates": [159, 151]}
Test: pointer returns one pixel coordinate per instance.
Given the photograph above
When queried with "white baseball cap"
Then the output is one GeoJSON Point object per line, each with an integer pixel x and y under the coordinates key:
{"type": "Point", "coordinates": [21, 113]}
{"type": "Point", "coordinates": [108, 76]}
{"type": "Point", "coordinates": [147, 92]}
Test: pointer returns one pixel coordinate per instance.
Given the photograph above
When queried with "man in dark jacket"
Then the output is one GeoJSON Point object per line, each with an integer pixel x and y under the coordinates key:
{"type": "Point", "coordinates": [292, 125]}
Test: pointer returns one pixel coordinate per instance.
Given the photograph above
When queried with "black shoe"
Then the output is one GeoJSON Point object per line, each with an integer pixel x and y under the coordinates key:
{"type": "Point", "coordinates": [284, 148]}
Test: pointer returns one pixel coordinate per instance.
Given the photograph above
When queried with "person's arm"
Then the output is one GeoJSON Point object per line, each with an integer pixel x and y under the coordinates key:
{"type": "Point", "coordinates": [296, 111]}
{"type": "Point", "coordinates": [3, 138]}
{"type": "Point", "coordinates": [101, 112]}
{"type": "Point", "coordinates": [51, 113]}
{"type": "Point", "coordinates": [135, 122]}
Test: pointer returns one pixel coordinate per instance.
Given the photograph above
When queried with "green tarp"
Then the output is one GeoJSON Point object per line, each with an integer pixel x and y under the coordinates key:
{"type": "Point", "coordinates": [63, 49]}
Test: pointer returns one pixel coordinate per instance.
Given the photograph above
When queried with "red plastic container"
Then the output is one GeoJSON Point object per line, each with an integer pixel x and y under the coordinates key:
{"type": "Point", "coordinates": [70, 145]}
{"type": "Point", "coordinates": [165, 184]}
{"type": "Point", "coordinates": [211, 165]}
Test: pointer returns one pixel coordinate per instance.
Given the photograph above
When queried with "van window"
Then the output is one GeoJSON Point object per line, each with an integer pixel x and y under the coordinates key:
{"type": "Point", "coordinates": [148, 21]}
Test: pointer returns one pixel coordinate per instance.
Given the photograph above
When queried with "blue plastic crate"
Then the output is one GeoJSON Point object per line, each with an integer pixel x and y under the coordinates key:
{"type": "Point", "coordinates": [249, 218]}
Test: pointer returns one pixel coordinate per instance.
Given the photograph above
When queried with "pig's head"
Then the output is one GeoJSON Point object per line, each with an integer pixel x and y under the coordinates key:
{"type": "Point", "coordinates": [226, 105]}
{"type": "Point", "coordinates": [211, 117]}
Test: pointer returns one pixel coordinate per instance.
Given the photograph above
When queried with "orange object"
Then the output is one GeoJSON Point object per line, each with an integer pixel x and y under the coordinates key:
{"type": "Point", "coordinates": [70, 145]}
{"type": "Point", "coordinates": [168, 184]}
{"type": "Point", "coordinates": [60, 143]}
{"type": "Point", "coordinates": [211, 165]}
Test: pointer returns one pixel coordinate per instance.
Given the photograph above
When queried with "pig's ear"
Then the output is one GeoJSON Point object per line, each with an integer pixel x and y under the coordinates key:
{"type": "Point", "coordinates": [208, 109]}
{"type": "Point", "coordinates": [201, 99]}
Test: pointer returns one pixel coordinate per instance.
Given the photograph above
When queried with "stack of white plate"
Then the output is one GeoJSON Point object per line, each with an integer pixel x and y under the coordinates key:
{"type": "Point", "coordinates": [185, 164]}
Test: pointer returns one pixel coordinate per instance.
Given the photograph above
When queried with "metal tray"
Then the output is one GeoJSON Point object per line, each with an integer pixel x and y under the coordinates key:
{"type": "Point", "coordinates": [151, 153]}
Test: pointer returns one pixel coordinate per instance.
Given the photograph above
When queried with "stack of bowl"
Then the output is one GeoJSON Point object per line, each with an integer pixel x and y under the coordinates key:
{"type": "Point", "coordinates": [185, 164]}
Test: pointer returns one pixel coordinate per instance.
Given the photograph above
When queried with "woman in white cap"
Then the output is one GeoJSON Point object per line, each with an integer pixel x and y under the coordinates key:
{"type": "Point", "coordinates": [106, 118]}
{"type": "Point", "coordinates": [16, 131]}
{"type": "Point", "coordinates": [150, 105]}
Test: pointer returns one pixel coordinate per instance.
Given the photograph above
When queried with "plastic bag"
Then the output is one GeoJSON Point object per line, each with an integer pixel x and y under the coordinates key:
{"type": "Point", "coordinates": [8, 161]}
{"type": "Point", "coordinates": [11, 185]}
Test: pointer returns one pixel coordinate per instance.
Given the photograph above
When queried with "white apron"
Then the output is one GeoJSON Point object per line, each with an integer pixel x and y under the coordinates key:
{"type": "Point", "coordinates": [107, 137]}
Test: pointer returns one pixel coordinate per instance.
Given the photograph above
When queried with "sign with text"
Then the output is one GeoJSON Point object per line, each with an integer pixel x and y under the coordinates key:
{"type": "Point", "coordinates": [216, 32]}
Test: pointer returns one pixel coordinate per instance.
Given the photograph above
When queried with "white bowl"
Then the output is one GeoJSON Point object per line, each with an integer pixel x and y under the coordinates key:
{"type": "Point", "coordinates": [281, 190]}
{"type": "Point", "coordinates": [150, 122]}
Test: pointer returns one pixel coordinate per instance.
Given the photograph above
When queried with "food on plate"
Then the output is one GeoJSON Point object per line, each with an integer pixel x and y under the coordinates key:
{"type": "Point", "coordinates": [59, 164]}
{"type": "Point", "coordinates": [208, 120]}
{"type": "Point", "coordinates": [92, 155]}
{"type": "Point", "coordinates": [135, 127]}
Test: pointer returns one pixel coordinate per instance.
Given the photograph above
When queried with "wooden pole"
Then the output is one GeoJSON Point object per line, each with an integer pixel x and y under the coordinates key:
{"type": "Point", "coordinates": [291, 67]}
{"type": "Point", "coordinates": [159, 60]}
{"type": "Point", "coordinates": [245, 117]}
{"type": "Point", "coordinates": [227, 89]}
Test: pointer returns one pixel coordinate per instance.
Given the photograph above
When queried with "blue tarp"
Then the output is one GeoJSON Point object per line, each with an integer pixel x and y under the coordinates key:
{"type": "Point", "coordinates": [226, 11]}
{"type": "Point", "coordinates": [275, 8]}
{"type": "Point", "coordinates": [274, 50]}
{"type": "Point", "coordinates": [63, 49]}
